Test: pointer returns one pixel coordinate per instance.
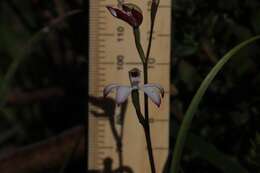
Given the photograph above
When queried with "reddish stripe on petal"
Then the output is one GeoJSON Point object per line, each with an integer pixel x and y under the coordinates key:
{"type": "Point", "coordinates": [128, 13]}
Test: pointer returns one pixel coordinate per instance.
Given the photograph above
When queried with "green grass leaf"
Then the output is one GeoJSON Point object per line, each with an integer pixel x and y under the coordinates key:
{"type": "Point", "coordinates": [196, 100]}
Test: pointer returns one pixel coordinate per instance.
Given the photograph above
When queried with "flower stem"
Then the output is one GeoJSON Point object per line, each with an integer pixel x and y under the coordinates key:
{"type": "Point", "coordinates": [149, 145]}
{"type": "Point", "coordinates": [138, 44]}
{"type": "Point", "coordinates": [147, 125]}
{"type": "Point", "coordinates": [150, 42]}
{"type": "Point", "coordinates": [154, 9]}
{"type": "Point", "coordinates": [136, 103]}
{"type": "Point", "coordinates": [146, 105]}
{"type": "Point", "coordinates": [144, 120]}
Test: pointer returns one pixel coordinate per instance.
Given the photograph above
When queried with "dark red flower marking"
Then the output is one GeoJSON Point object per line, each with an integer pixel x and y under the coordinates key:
{"type": "Point", "coordinates": [129, 13]}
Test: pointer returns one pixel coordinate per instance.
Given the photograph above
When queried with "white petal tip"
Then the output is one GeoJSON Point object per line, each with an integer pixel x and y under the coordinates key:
{"type": "Point", "coordinates": [112, 11]}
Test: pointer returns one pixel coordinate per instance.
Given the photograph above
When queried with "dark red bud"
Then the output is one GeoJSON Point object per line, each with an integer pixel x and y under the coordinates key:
{"type": "Point", "coordinates": [129, 13]}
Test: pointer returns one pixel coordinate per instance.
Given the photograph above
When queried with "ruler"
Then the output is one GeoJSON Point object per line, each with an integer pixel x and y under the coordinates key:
{"type": "Point", "coordinates": [112, 54]}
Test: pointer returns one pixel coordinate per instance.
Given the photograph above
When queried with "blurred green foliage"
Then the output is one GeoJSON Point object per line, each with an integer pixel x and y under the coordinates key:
{"type": "Point", "coordinates": [225, 132]}
{"type": "Point", "coordinates": [228, 117]}
{"type": "Point", "coordinates": [43, 70]}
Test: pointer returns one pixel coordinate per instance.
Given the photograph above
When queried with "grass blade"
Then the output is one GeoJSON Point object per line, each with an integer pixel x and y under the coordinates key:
{"type": "Point", "coordinates": [196, 100]}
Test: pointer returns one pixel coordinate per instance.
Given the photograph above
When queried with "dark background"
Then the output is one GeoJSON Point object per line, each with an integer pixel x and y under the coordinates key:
{"type": "Point", "coordinates": [44, 103]}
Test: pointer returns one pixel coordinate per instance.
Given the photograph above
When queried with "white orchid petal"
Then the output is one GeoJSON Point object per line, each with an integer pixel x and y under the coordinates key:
{"type": "Point", "coordinates": [112, 11]}
{"type": "Point", "coordinates": [122, 93]}
{"type": "Point", "coordinates": [109, 88]}
{"type": "Point", "coordinates": [158, 86]}
{"type": "Point", "coordinates": [153, 93]}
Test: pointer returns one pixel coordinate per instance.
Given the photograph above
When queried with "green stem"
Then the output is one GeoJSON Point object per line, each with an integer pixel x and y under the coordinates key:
{"type": "Point", "coordinates": [149, 145]}
{"type": "Point", "coordinates": [146, 115]}
{"type": "Point", "coordinates": [136, 103]}
{"type": "Point", "coordinates": [153, 15]}
{"type": "Point", "coordinates": [145, 124]}
{"type": "Point", "coordinates": [150, 41]}
{"type": "Point", "coordinates": [138, 44]}
{"type": "Point", "coordinates": [179, 146]}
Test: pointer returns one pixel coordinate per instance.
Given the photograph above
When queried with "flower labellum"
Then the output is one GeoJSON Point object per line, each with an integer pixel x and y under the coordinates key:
{"type": "Point", "coordinates": [153, 91]}
{"type": "Point", "coordinates": [129, 13]}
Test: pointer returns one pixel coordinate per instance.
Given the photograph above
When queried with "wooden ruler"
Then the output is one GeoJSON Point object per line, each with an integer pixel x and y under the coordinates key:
{"type": "Point", "coordinates": [112, 55]}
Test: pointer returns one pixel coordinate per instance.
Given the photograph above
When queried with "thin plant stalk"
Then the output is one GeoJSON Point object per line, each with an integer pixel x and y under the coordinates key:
{"type": "Point", "coordinates": [180, 143]}
{"type": "Point", "coordinates": [153, 15]}
{"type": "Point", "coordinates": [144, 120]}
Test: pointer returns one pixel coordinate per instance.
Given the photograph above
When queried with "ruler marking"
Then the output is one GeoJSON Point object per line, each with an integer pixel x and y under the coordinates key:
{"type": "Point", "coordinates": [101, 86]}
{"type": "Point", "coordinates": [98, 17]}
{"type": "Point", "coordinates": [101, 50]}
{"type": "Point", "coordinates": [102, 11]}
{"type": "Point", "coordinates": [101, 23]}
{"type": "Point", "coordinates": [139, 63]}
{"type": "Point", "coordinates": [102, 80]}
{"type": "Point", "coordinates": [153, 120]}
{"type": "Point", "coordinates": [104, 147]}
{"type": "Point", "coordinates": [101, 40]}
{"type": "Point", "coordinates": [101, 130]}
{"type": "Point", "coordinates": [107, 63]}
{"type": "Point", "coordinates": [160, 148]}
{"type": "Point", "coordinates": [101, 135]}
{"type": "Point", "coordinates": [104, 70]}
{"type": "Point", "coordinates": [163, 63]}
{"type": "Point", "coordinates": [101, 28]}
{"type": "Point", "coordinates": [106, 35]}
{"type": "Point", "coordinates": [101, 127]}
{"type": "Point", "coordinates": [133, 63]}
{"type": "Point", "coordinates": [102, 119]}
{"type": "Point", "coordinates": [100, 141]}
{"type": "Point", "coordinates": [101, 151]}
{"type": "Point", "coordinates": [164, 6]}
{"type": "Point", "coordinates": [102, 45]}
{"type": "Point", "coordinates": [101, 74]}
{"type": "Point", "coordinates": [164, 35]}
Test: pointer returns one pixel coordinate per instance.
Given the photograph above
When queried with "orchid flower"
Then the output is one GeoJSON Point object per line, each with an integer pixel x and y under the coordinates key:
{"type": "Point", "coordinates": [128, 12]}
{"type": "Point", "coordinates": [153, 91]}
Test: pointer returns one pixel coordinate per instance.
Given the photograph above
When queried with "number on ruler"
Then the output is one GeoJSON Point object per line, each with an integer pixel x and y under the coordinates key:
{"type": "Point", "coordinates": [120, 33]}
{"type": "Point", "coordinates": [151, 62]}
{"type": "Point", "coordinates": [120, 62]}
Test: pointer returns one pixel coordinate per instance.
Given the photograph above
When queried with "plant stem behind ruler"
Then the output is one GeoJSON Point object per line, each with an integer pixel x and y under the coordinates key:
{"type": "Point", "coordinates": [112, 55]}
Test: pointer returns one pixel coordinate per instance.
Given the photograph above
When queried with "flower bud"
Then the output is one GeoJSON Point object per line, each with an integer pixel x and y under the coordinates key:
{"type": "Point", "coordinates": [129, 13]}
